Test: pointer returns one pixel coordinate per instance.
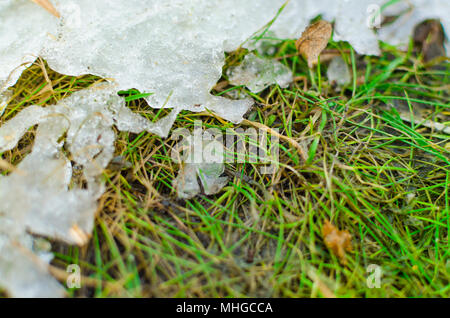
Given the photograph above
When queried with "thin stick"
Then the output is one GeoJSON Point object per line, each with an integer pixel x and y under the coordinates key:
{"type": "Point", "coordinates": [47, 5]}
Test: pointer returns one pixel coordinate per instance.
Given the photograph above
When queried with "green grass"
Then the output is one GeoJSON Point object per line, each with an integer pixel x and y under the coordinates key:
{"type": "Point", "coordinates": [384, 180]}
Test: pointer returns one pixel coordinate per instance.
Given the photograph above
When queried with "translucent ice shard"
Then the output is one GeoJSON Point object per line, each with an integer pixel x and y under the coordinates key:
{"type": "Point", "coordinates": [202, 168]}
{"type": "Point", "coordinates": [209, 174]}
{"type": "Point", "coordinates": [186, 184]}
{"type": "Point", "coordinates": [338, 72]}
{"type": "Point", "coordinates": [258, 73]}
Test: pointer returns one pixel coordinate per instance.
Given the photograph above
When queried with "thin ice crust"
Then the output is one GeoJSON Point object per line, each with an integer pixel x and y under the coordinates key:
{"type": "Point", "coordinates": [35, 197]}
{"type": "Point", "coordinates": [175, 49]}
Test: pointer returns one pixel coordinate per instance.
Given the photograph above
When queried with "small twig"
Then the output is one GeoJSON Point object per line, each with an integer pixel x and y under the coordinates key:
{"type": "Point", "coordinates": [299, 148]}
{"type": "Point", "coordinates": [333, 52]}
{"type": "Point", "coordinates": [47, 5]}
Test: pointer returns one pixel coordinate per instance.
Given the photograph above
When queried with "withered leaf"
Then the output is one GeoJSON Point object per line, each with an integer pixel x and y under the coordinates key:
{"type": "Point", "coordinates": [430, 38]}
{"type": "Point", "coordinates": [337, 241]}
{"type": "Point", "coordinates": [314, 40]}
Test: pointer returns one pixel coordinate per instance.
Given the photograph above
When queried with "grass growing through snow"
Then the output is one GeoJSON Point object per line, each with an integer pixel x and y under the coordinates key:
{"type": "Point", "coordinates": [383, 179]}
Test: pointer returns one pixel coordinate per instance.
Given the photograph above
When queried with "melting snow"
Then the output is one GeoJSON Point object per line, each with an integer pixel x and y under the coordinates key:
{"type": "Point", "coordinates": [38, 195]}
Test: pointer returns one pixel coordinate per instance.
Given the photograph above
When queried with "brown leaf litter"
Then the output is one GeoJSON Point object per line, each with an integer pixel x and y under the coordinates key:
{"type": "Point", "coordinates": [314, 40]}
{"type": "Point", "coordinates": [429, 37]}
{"type": "Point", "coordinates": [337, 241]}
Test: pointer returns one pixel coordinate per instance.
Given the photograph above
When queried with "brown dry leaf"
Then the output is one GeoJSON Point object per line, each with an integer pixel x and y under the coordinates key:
{"type": "Point", "coordinates": [337, 241]}
{"type": "Point", "coordinates": [47, 5]}
{"type": "Point", "coordinates": [430, 37]}
{"type": "Point", "coordinates": [314, 40]}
